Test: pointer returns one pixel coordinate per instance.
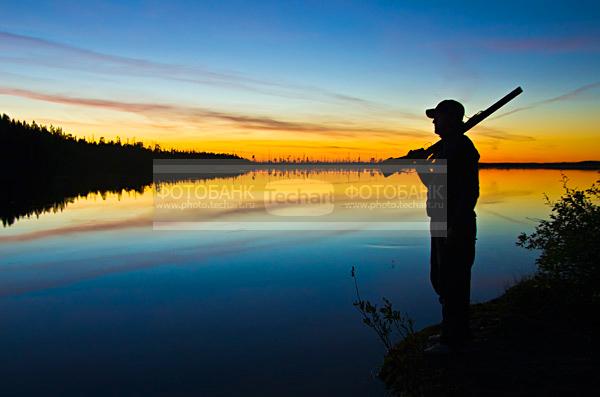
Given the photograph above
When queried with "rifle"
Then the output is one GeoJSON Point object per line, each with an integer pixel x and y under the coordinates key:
{"type": "Point", "coordinates": [472, 122]}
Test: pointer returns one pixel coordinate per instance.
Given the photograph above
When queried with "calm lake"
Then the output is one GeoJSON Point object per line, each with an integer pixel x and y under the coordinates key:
{"type": "Point", "coordinates": [101, 298]}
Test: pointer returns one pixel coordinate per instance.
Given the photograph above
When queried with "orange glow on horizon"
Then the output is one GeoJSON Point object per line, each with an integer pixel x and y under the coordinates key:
{"type": "Point", "coordinates": [505, 140]}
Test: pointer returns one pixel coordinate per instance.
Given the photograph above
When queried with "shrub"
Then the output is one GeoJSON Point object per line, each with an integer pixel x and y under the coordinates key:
{"type": "Point", "coordinates": [569, 240]}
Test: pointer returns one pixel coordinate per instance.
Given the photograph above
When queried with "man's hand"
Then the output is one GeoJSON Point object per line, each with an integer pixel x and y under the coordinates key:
{"type": "Point", "coordinates": [416, 154]}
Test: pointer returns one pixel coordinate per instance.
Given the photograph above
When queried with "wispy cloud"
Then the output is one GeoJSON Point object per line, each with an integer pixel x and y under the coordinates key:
{"type": "Point", "coordinates": [67, 271]}
{"type": "Point", "coordinates": [29, 50]}
{"type": "Point", "coordinates": [565, 44]}
{"type": "Point", "coordinates": [140, 221]}
{"type": "Point", "coordinates": [199, 115]}
{"type": "Point", "coordinates": [501, 135]}
{"type": "Point", "coordinates": [100, 62]}
{"type": "Point", "coordinates": [505, 217]}
{"type": "Point", "coordinates": [544, 44]}
{"type": "Point", "coordinates": [563, 97]}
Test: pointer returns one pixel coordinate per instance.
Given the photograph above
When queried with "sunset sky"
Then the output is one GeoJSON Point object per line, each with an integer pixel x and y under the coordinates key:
{"type": "Point", "coordinates": [321, 79]}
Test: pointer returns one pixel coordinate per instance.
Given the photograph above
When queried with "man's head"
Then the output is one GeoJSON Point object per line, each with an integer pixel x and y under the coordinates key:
{"type": "Point", "coordinates": [447, 117]}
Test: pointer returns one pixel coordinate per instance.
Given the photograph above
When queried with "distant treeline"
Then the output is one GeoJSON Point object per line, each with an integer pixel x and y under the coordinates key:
{"type": "Point", "coordinates": [44, 168]}
{"type": "Point", "coordinates": [31, 149]}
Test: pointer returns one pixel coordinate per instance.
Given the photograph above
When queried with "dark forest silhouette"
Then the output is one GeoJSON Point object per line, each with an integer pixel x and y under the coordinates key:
{"type": "Point", "coordinates": [39, 149]}
{"type": "Point", "coordinates": [44, 168]}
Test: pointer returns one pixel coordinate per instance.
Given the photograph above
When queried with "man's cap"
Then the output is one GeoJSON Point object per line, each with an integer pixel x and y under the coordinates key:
{"type": "Point", "coordinates": [449, 107]}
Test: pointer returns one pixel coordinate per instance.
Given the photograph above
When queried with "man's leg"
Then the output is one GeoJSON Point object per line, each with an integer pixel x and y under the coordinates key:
{"type": "Point", "coordinates": [456, 301]}
{"type": "Point", "coordinates": [456, 275]}
{"type": "Point", "coordinates": [437, 247]}
{"type": "Point", "coordinates": [441, 283]}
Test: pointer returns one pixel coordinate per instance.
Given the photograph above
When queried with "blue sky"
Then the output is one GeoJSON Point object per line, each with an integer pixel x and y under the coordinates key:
{"type": "Point", "coordinates": [364, 64]}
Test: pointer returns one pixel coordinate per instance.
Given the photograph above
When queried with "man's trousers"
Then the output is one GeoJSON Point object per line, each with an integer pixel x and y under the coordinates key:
{"type": "Point", "coordinates": [451, 260]}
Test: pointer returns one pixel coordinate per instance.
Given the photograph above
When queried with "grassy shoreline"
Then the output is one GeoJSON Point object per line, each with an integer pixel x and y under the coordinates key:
{"type": "Point", "coordinates": [535, 339]}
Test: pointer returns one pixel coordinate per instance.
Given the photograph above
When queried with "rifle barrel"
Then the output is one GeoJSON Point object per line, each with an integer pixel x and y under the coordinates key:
{"type": "Point", "coordinates": [478, 118]}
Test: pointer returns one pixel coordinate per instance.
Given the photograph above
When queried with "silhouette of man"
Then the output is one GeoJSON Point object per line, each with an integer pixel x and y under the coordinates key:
{"type": "Point", "coordinates": [452, 255]}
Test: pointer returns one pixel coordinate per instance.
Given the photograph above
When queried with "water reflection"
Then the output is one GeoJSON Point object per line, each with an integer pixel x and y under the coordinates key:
{"type": "Point", "coordinates": [92, 293]}
{"type": "Point", "coordinates": [26, 198]}
{"type": "Point", "coordinates": [511, 202]}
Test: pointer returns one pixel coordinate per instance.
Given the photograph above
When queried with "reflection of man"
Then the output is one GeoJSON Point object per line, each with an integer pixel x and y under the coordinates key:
{"type": "Point", "coordinates": [452, 255]}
